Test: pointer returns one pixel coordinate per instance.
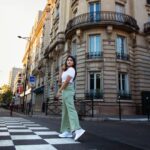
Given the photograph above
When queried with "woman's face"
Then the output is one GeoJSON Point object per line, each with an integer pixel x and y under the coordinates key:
{"type": "Point", "coordinates": [70, 62]}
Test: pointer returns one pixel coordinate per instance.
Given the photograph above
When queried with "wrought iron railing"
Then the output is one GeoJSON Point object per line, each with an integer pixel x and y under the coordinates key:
{"type": "Point", "coordinates": [93, 55]}
{"type": "Point", "coordinates": [93, 95]}
{"type": "Point", "coordinates": [57, 69]}
{"type": "Point", "coordinates": [147, 27]}
{"type": "Point", "coordinates": [102, 17]}
{"type": "Point", "coordinates": [122, 56]}
{"type": "Point", "coordinates": [53, 106]}
{"type": "Point", "coordinates": [124, 95]}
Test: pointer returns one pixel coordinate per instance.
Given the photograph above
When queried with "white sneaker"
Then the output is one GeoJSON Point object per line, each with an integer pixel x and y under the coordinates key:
{"type": "Point", "coordinates": [78, 133]}
{"type": "Point", "coordinates": [66, 134]}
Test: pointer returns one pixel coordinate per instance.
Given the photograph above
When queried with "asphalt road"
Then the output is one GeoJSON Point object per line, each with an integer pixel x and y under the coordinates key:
{"type": "Point", "coordinates": [100, 135]}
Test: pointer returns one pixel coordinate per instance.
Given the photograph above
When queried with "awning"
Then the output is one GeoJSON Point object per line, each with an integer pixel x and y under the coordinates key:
{"type": "Point", "coordinates": [39, 90]}
{"type": "Point", "coordinates": [26, 93]}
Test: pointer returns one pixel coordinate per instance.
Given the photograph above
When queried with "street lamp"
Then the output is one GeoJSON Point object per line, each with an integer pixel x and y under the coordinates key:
{"type": "Point", "coordinates": [26, 71]}
{"type": "Point", "coordinates": [25, 38]}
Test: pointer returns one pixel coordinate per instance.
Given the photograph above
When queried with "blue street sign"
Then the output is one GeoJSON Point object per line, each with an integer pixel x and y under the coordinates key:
{"type": "Point", "coordinates": [32, 79]}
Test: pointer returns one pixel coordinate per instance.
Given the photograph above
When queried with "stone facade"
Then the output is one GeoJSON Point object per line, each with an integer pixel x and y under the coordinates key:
{"type": "Point", "coordinates": [33, 60]}
{"type": "Point", "coordinates": [12, 75]}
{"type": "Point", "coordinates": [110, 40]}
{"type": "Point", "coordinates": [118, 69]}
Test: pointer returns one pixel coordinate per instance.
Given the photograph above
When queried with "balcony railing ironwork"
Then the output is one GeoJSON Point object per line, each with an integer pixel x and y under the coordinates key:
{"type": "Point", "coordinates": [147, 27]}
{"type": "Point", "coordinates": [93, 95]}
{"type": "Point", "coordinates": [57, 69]}
{"type": "Point", "coordinates": [122, 56]}
{"type": "Point", "coordinates": [124, 95]}
{"type": "Point", "coordinates": [93, 55]}
{"type": "Point", "coordinates": [102, 18]}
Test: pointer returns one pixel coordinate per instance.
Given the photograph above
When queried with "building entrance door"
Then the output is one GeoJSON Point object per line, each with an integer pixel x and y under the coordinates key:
{"type": "Point", "coordinates": [146, 102]}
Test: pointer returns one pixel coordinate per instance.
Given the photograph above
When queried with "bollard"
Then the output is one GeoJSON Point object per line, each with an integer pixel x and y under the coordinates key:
{"type": "Point", "coordinates": [119, 108]}
{"type": "Point", "coordinates": [46, 107]}
{"type": "Point", "coordinates": [92, 107]}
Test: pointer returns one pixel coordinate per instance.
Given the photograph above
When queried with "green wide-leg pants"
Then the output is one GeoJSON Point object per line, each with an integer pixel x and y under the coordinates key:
{"type": "Point", "coordinates": [70, 120]}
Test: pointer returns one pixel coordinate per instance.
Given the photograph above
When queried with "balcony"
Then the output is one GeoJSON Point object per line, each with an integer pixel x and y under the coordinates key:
{"type": "Point", "coordinates": [93, 55]}
{"type": "Point", "coordinates": [101, 18]}
{"type": "Point", "coordinates": [57, 43]}
{"type": "Point", "coordinates": [35, 71]}
{"type": "Point", "coordinates": [90, 95]}
{"type": "Point", "coordinates": [123, 56]}
{"type": "Point", "coordinates": [40, 63]}
{"type": "Point", "coordinates": [147, 28]}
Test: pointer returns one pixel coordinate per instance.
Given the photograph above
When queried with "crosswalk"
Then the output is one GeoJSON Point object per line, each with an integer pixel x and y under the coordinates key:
{"type": "Point", "coordinates": [21, 134]}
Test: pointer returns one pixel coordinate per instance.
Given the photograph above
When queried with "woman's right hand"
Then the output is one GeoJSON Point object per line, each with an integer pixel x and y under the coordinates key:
{"type": "Point", "coordinates": [58, 94]}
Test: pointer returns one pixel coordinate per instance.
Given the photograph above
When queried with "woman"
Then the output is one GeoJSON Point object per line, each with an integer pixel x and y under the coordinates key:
{"type": "Point", "coordinates": [70, 121]}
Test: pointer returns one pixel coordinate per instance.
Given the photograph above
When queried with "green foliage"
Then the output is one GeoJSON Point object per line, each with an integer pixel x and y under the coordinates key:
{"type": "Point", "coordinates": [5, 94]}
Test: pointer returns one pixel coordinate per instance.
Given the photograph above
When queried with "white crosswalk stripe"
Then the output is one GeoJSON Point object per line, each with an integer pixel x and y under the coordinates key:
{"type": "Point", "coordinates": [21, 134]}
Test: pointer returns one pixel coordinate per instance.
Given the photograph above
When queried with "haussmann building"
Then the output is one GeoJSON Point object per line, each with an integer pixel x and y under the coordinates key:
{"type": "Point", "coordinates": [110, 40]}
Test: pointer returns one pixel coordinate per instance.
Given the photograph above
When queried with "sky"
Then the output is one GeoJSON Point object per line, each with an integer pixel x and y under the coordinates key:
{"type": "Point", "coordinates": [16, 19]}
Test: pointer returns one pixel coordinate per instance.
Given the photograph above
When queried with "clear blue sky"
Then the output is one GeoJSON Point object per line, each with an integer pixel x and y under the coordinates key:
{"type": "Point", "coordinates": [16, 18]}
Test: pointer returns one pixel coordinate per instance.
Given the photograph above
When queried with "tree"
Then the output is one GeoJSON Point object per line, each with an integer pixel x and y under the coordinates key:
{"type": "Point", "coordinates": [5, 94]}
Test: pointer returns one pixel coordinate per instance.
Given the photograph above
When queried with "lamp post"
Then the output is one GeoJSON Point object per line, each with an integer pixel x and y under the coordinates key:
{"type": "Point", "coordinates": [26, 71]}
{"type": "Point", "coordinates": [25, 38]}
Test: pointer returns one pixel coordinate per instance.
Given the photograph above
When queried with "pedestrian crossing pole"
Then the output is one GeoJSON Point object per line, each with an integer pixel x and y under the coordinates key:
{"type": "Point", "coordinates": [119, 108]}
{"type": "Point", "coordinates": [32, 84]}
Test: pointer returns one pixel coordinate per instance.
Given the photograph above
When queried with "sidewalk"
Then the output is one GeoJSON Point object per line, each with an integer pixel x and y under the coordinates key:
{"type": "Point", "coordinates": [138, 118]}
{"type": "Point", "coordinates": [134, 118]}
{"type": "Point", "coordinates": [116, 118]}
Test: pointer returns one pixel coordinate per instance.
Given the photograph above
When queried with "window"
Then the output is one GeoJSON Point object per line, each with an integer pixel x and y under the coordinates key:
{"type": "Point", "coordinates": [57, 65]}
{"type": "Point", "coordinates": [94, 9]}
{"type": "Point", "coordinates": [123, 86]}
{"type": "Point", "coordinates": [95, 86]}
{"type": "Point", "coordinates": [121, 48]}
{"type": "Point", "coordinates": [19, 74]}
{"type": "Point", "coordinates": [95, 82]}
{"type": "Point", "coordinates": [149, 18]}
{"type": "Point", "coordinates": [120, 44]}
{"type": "Point", "coordinates": [74, 48]}
{"type": "Point", "coordinates": [94, 46]}
{"type": "Point", "coordinates": [120, 8]}
{"type": "Point", "coordinates": [19, 81]}
{"type": "Point", "coordinates": [57, 11]}
{"type": "Point", "coordinates": [148, 2]}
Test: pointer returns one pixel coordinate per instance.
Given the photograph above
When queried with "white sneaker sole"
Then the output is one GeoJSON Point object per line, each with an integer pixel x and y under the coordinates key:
{"type": "Point", "coordinates": [79, 135]}
{"type": "Point", "coordinates": [68, 136]}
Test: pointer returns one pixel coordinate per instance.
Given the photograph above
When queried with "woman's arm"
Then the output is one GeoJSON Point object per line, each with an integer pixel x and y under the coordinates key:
{"type": "Point", "coordinates": [63, 86]}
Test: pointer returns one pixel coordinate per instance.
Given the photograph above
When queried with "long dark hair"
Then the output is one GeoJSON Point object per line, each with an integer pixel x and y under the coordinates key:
{"type": "Point", "coordinates": [74, 65]}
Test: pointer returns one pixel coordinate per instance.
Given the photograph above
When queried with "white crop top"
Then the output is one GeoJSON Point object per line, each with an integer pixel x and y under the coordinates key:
{"type": "Point", "coordinates": [69, 72]}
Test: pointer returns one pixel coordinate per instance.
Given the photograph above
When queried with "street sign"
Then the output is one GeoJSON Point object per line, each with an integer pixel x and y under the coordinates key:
{"type": "Point", "coordinates": [32, 80]}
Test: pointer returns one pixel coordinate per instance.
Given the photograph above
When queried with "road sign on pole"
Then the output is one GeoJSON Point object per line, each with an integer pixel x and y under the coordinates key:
{"type": "Point", "coordinates": [32, 80]}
